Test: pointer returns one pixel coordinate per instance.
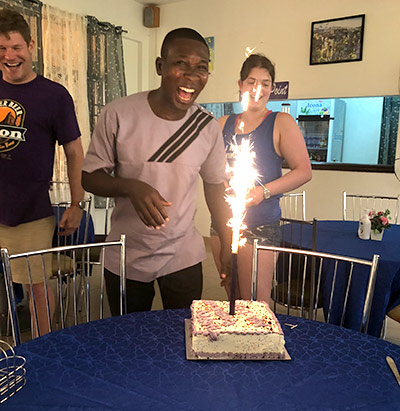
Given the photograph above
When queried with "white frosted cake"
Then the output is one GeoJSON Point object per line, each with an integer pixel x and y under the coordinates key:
{"type": "Point", "coordinates": [253, 332]}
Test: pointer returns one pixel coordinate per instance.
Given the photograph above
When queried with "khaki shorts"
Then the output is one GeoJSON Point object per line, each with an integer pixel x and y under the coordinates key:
{"type": "Point", "coordinates": [32, 236]}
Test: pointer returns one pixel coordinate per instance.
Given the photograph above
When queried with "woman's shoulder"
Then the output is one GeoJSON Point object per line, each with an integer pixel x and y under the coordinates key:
{"type": "Point", "coordinates": [222, 121]}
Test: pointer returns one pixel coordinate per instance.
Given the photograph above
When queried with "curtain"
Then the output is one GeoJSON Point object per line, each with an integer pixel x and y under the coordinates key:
{"type": "Point", "coordinates": [32, 12]}
{"type": "Point", "coordinates": [106, 72]}
{"type": "Point", "coordinates": [65, 62]}
{"type": "Point", "coordinates": [390, 124]}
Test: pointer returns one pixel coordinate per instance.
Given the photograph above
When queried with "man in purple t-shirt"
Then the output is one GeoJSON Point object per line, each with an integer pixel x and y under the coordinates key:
{"type": "Point", "coordinates": [35, 113]}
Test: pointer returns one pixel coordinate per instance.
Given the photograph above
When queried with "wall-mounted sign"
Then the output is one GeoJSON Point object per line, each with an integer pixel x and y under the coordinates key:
{"type": "Point", "coordinates": [210, 42]}
{"type": "Point", "coordinates": [280, 91]}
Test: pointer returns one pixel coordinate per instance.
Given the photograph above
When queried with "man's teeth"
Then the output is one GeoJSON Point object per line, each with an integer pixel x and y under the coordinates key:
{"type": "Point", "coordinates": [187, 90]}
{"type": "Point", "coordinates": [12, 65]}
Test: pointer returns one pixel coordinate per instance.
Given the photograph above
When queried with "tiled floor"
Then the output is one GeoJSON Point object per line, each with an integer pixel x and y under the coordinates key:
{"type": "Point", "coordinates": [213, 291]}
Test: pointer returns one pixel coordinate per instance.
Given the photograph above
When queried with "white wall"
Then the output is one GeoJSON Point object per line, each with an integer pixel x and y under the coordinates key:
{"type": "Point", "coordinates": [281, 30]}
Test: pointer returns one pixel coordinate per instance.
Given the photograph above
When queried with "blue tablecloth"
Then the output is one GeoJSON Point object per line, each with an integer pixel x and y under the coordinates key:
{"type": "Point", "coordinates": [137, 362]}
{"type": "Point", "coordinates": [340, 237]}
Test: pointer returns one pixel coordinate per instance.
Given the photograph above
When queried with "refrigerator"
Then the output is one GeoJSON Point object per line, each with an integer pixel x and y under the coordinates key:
{"type": "Point", "coordinates": [322, 125]}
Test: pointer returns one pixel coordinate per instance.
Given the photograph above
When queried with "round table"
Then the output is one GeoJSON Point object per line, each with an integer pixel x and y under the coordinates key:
{"type": "Point", "coordinates": [138, 362]}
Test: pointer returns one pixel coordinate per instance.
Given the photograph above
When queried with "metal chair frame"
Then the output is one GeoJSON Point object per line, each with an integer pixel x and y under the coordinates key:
{"type": "Point", "coordinates": [293, 205]}
{"type": "Point", "coordinates": [319, 258]}
{"type": "Point", "coordinates": [288, 241]}
{"type": "Point", "coordinates": [85, 271]}
{"type": "Point", "coordinates": [353, 210]}
{"type": "Point", "coordinates": [77, 237]}
{"type": "Point", "coordinates": [60, 207]}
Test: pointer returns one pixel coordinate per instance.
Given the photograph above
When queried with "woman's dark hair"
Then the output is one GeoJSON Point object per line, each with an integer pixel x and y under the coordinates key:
{"type": "Point", "coordinates": [11, 21]}
{"type": "Point", "coordinates": [257, 60]}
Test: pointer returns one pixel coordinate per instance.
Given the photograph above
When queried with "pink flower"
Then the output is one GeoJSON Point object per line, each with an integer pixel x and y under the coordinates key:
{"type": "Point", "coordinates": [384, 220]}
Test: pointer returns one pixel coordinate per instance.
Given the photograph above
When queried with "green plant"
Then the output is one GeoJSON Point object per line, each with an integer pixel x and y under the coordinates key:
{"type": "Point", "coordinates": [379, 220]}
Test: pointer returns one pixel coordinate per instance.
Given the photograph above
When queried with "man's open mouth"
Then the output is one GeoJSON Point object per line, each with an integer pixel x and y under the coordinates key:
{"type": "Point", "coordinates": [185, 93]}
{"type": "Point", "coordinates": [12, 65]}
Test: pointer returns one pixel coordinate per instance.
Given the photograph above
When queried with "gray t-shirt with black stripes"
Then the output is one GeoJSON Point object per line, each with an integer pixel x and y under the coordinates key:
{"type": "Point", "coordinates": [131, 141]}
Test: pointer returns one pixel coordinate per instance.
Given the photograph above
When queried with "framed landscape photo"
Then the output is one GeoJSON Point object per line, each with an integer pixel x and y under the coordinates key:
{"type": "Point", "coordinates": [337, 40]}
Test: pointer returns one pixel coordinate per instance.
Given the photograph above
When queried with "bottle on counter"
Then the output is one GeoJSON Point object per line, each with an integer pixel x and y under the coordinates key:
{"type": "Point", "coordinates": [364, 227]}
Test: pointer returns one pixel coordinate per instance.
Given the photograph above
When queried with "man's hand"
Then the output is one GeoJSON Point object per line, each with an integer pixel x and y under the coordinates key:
{"type": "Point", "coordinates": [70, 221]}
{"type": "Point", "coordinates": [149, 204]}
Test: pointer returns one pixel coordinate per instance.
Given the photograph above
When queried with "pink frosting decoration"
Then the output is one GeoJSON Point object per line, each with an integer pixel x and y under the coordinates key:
{"type": "Point", "coordinates": [251, 317]}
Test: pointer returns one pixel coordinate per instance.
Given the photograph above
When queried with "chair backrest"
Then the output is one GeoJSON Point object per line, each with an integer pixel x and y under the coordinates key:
{"type": "Point", "coordinates": [354, 205]}
{"type": "Point", "coordinates": [60, 197]}
{"type": "Point", "coordinates": [78, 282]}
{"type": "Point", "coordinates": [299, 234]}
{"type": "Point", "coordinates": [347, 283]}
{"type": "Point", "coordinates": [293, 205]}
{"type": "Point", "coordinates": [101, 216]}
{"type": "Point", "coordinates": [84, 233]}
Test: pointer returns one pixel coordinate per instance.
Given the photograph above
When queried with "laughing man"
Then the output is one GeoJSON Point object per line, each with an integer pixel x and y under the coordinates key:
{"type": "Point", "coordinates": [147, 151]}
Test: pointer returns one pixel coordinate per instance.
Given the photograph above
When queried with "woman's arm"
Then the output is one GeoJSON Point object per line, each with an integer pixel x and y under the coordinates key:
{"type": "Point", "coordinates": [289, 144]}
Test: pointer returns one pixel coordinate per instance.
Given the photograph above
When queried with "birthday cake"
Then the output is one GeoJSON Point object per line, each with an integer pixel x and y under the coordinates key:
{"type": "Point", "coordinates": [252, 332]}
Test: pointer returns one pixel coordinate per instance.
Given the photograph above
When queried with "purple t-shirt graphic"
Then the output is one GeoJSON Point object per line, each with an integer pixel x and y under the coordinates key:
{"type": "Point", "coordinates": [33, 117]}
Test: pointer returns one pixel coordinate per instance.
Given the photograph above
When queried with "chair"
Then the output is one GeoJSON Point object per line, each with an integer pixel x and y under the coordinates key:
{"type": "Point", "coordinates": [293, 205]}
{"type": "Point", "coordinates": [59, 194]}
{"type": "Point", "coordinates": [299, 234]}
{"type": "Point", "coordinates": [347, 283]}
{"type": "Point", "coordinates": [84, 233]}
{"type": "Point", "coordinates": [354, 206]}
{"type": "Point", "coordinates": [101, 216]}
{"type": "Point", "coordinates": [76, 266]}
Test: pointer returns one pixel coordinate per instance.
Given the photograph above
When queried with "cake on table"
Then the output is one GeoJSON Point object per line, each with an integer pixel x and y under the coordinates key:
{"type": "Point", "coordinates": [253, 332]}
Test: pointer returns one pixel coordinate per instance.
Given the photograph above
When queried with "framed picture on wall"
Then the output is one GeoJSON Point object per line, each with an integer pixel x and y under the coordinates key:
{"type": "Point", "coordinates": [337, 40]}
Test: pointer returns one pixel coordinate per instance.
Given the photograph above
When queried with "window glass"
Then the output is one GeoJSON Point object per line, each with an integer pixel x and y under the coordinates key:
{"type": "Point", "coordinates": [356, 130]}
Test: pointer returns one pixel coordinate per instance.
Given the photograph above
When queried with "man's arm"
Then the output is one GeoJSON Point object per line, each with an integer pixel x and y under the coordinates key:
{"type": "Point", "coordinates": [220, 213]}
{"type": "Point", "coordinates": [147, 201]}
{"type": "Point", "coordinates": [71, 218]}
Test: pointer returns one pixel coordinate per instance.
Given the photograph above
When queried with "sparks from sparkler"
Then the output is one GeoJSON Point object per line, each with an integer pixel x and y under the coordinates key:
{"type": "Point", "coordinates": [245, 100]}
{"type": "Point", "coordinates": [258, 92]}
{"type": "Point", "coordinates": [248, 51]}
{"type": "Point", "coordinates": [243, 177]}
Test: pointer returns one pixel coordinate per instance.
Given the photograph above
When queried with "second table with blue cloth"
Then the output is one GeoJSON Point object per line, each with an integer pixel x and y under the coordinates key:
{"type": "Point", "coordinates": [341, 237]}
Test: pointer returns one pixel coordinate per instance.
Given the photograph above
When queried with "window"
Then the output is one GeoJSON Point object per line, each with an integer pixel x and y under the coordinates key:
{"type": "Point", "coordinates": [357, 133]}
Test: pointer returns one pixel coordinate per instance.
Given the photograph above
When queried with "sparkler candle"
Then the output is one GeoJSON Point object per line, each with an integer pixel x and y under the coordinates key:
{"type": "Point", "coordinates": [243, 177]}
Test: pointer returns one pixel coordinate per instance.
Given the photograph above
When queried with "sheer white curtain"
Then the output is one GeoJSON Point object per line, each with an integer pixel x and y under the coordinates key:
{"type": "Point", "coordinates": [65, 61]}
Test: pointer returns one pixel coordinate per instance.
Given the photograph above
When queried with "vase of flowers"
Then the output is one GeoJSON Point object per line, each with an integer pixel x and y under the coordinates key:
{"type": "Point", "coordinates": [379, 223]}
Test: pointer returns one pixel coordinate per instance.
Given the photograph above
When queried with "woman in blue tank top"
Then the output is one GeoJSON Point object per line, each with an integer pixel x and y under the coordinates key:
{"type": "Point", "coordinates": [275, 137]}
